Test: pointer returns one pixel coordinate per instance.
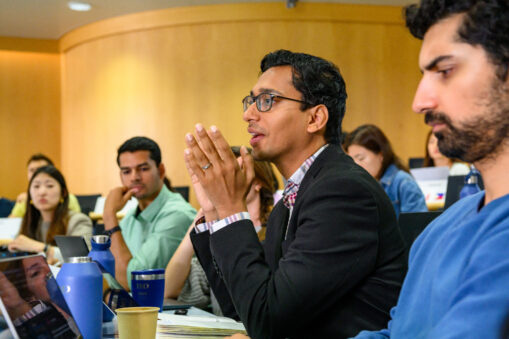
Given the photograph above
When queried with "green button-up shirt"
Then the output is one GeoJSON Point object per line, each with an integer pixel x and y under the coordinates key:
{"type": "Point", "coordinates": [153, 235]}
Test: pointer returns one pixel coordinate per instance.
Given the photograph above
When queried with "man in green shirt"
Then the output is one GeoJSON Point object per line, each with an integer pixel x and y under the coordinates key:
{"type": "Point", "coordinates": [38, 160]}
{"type": "Point", "coordinates": [148, 235]}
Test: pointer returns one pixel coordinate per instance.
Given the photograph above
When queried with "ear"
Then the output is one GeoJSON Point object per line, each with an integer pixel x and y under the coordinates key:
{"type": "Point", "coordinates": [257, 186]}
{"type": "Point", "coordinates": [317, 119]}
{"type": "Point", "coordinates": [162, 171]}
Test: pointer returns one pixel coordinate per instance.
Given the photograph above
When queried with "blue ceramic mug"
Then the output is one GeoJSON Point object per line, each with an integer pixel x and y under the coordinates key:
{"type": "Point", "coordinates": [147, 287]}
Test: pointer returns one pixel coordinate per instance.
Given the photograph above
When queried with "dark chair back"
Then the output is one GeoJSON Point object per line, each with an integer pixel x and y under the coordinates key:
{"type": "Point", "coordinates": [6, 206]}
{"type": "Point", "coordinates": [412, 224]}
{"type": "Point", "coordinates": [454, 185]}
{"type": "Point", "coordinates": [415, 162]}
{"type": "Point", "coordinates": [87, 202]}
{"type": "Point", "coordinates": [183, 190]}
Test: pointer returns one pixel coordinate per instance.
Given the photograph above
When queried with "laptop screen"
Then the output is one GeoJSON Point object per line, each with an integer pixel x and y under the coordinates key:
{"type": "Point", "coordinates": [31, 302]}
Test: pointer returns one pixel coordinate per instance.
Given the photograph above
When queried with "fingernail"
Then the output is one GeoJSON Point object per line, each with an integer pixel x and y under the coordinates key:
{"type": "Point", "coordinates": [199, 127]}
{"type": "Point", "coordinates": [189, 137]}
{"type": "Point", "coordinates": [213, 128]}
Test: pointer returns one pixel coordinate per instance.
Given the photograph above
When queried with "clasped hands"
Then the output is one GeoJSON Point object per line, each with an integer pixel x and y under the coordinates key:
{"type": "Point", "coordinates": [221, 182]}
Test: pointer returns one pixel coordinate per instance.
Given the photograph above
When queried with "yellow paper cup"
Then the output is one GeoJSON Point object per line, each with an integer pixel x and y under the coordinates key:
{"type": "Point", "coordinates": [137, 322]}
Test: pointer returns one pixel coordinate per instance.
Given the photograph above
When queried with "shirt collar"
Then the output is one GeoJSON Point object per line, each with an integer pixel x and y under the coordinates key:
{"type": "Point", "coordinates": [149, 213]}
{"type": "Point", "coordinates": [389, 174]}
{"type": "Point", "coordinates": [298, 175]}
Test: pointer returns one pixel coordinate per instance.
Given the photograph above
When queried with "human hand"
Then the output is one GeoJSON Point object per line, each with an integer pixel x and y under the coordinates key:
{"type": "Point", "coordinates": [15, 305]}
{"type": "Point", "coordinates": [116, 200]}
{"type": "Point", "coordinates": [206, 205]}
{"type": "Point", "coordinates": [24, 243]}
{"type": "Point", "coordinates": [225, 181]}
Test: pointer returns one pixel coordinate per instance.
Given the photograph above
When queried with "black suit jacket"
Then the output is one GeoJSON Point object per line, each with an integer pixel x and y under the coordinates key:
{"type": "Point", "coordinates": [338, 270]}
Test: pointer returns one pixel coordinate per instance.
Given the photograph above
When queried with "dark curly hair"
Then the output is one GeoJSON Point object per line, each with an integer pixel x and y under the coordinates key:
{"type": "Point", "coordinates": [141, 144]}
{"type": "Point", "coordinates": [486, 23]}
{"type": "Point", "coordinates": [319, 81]}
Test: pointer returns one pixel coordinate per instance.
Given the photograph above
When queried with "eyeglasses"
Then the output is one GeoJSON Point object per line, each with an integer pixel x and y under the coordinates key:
{"type": "Point", "coordinates": [264, 101]}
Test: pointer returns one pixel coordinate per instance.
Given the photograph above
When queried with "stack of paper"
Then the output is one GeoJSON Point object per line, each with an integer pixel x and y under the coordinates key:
{"type": "Point", "coordinates": [183, 326]}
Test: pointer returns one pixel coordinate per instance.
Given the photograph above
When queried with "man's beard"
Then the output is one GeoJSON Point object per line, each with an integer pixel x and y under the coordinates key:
{"type": "Point", "coordinates": [479, 137]}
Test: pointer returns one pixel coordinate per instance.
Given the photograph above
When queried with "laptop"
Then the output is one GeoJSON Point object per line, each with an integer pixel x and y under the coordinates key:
{"type": "Point", "coordinates": [71, 246]}
{"type": "Point", "coordinates": [31, 302]}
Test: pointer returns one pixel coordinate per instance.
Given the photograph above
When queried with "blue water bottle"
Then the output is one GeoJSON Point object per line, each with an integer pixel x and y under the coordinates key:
{"type": "Point", "coordinates": [101, 253]}
{"type": "Point", "coordinates": [81, 283]}
{"type": "Point", "coordinates": [471, 183]}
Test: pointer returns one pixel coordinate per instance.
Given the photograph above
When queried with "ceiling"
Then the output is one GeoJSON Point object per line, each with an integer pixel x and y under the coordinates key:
{"type": "Point", "coordinates": [51, 19]}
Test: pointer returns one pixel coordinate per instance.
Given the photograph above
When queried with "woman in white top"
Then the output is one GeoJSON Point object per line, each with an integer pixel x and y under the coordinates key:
{"type": "Point", "coordinates": [47, 214]}
{"type": "Point", "coordinates": [434, 158]}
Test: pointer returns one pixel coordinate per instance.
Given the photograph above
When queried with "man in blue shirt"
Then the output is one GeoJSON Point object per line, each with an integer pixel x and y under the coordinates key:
{"type": "Point", "coordinates": [457, 285]}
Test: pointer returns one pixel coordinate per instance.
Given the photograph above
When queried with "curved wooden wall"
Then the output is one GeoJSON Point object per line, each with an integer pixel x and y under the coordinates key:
{"type": "Point", "coordinates": [158, 73]}
{"type": "Point", "coordinates": [29, 108]}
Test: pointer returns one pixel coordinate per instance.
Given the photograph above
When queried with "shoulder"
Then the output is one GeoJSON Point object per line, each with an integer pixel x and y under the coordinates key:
{"type": "Point", "coordinates": [338, 181]}
{"type": "Point", "coordinates": [458, 211]}
{"type": "Point", "coordinates": [338, 172]}
{"type": "Point", "coordinates": [72, 198]}
{"type": "Point", "coordinates": [18, 210]}
{"type": "Point", "coordinates": [78, 218]}
{"type": "Point", "coordinates": [175, 211]}
{"type": "Point", "coordinates": [405, 182]}
{"type": "Point", "coordinates": [402, 176]}
{"type": "Point", "coordinates": [175, 203]}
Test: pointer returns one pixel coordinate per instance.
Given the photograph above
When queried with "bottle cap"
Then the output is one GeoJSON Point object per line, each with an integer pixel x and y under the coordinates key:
{"type": "Point", "coordinates": [78, 260]}
{"type": "Point", "coordinates": [100, 239]}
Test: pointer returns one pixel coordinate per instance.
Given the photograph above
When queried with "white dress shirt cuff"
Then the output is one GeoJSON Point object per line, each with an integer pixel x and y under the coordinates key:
{"type": "Point", "coordinates": [203, 226]}
{"type": "Point", "coordinates": [229, 220]}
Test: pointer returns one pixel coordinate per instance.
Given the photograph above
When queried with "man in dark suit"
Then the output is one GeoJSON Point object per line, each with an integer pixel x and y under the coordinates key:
{"type": "Point", "coordinates": [332, 263]}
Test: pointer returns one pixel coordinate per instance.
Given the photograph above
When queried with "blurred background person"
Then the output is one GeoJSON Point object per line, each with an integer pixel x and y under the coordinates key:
{"type": "Point", "coordinates": [47, 214]}
{"type": "Point", "coordinates": [38, 160]}
{"type": "Point", "coordinates": [185, 279]}
{"type": "Point", "coordinates": [434, 158]}
{"type": "Point", "coordinates": [370, 149]}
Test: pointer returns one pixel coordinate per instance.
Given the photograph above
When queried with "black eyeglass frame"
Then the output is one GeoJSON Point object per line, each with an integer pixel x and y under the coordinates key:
{"type": "Point", "coordinates": [272, 97]}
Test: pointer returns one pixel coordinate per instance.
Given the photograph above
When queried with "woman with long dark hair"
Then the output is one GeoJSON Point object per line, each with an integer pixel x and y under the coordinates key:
{"type": "Point", "coordinates": [47, 215]}
{"type": "Point", "coordinates": [370, 149]}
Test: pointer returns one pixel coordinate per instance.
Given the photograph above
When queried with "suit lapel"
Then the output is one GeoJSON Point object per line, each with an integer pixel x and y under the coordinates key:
{"type": "Point", "coordinates": [275, 243]}
{"type": "Point", "coordinates": [329, 154]}
{"type": "Point", "coordinates": [276, 229]}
